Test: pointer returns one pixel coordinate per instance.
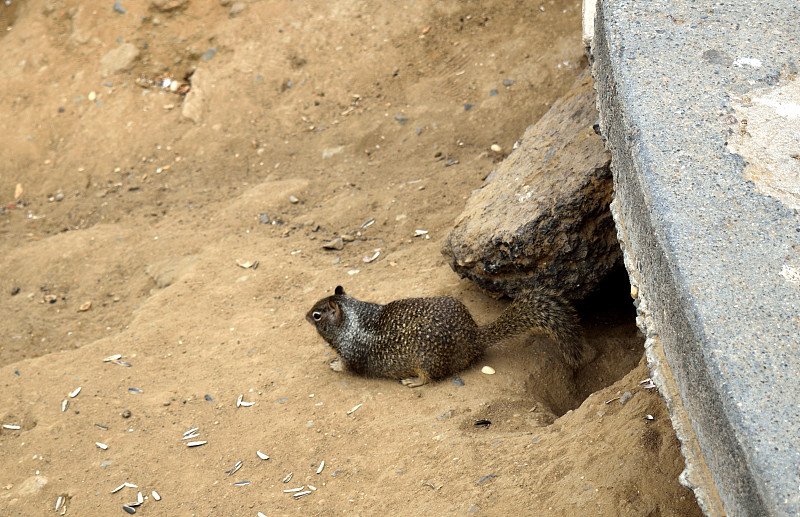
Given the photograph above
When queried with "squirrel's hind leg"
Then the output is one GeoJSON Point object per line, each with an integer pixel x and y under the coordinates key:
{"type": "Point", "coordinates": [416, 382]}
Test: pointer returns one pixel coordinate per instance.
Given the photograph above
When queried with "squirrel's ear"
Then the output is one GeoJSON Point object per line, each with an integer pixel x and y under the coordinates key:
{"type": "Point", "coordinates": [338, 315]}
{"type": "Point", "coordinates": [339, 290]}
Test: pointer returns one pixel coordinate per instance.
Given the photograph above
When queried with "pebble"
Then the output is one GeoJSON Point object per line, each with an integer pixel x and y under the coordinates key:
{"type": "Point", "coordinates": [457, 381]}
{"type": "Point", "coordinates": [508, 82]}
{"type": "Point", "coordinates": [401, 118]}
{"type": "Point", "coordinates": [488, 370]}
{"type": "Point", "coordinates": [126, 413]}
{"type": "Point", "coordinates": [625, 397]}
{"type": "Point", "coordinates": [208, 398]}
{"type": "Point", "coordinates": [293, 200]}
{"type": "Point", "coordinates": [335, 244]}
{"type": "Point", "coordinates": [118, 8]}
{"type": "Point", "coordinates": [468, 107]}
{"type": "Point", "coordinates": [488, 476]}
{"type": "Point", "coordinates": [92, 96]}
{"type": "Point", "coordinates": [209, 54]}
{"type": "Point", "coordinates": [236, 9]}
{"type": "Point", "coordinates": [496, 148]}
{"type": "Point", "coordinates": [447, 414]}
{"type": "Point", "coordinates": [263, 219]}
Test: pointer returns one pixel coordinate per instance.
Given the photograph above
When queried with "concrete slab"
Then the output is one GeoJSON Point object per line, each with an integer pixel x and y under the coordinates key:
{"type": "Point", "coordinates": [700, 104]}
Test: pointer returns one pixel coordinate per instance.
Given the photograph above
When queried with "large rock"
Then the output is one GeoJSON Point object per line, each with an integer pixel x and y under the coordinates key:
{"type": "Point", "coordinates": [542, 217]}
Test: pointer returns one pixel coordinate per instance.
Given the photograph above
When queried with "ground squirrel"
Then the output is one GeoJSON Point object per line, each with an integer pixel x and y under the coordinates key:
{"type": "Point", "coordinates": [418, 340]}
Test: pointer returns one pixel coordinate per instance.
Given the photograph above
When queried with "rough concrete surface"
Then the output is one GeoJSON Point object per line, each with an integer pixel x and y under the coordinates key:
{"type": "Point", "coordinates": [714, 253]}
{"type": "Point", "coordinates": [542, 217]}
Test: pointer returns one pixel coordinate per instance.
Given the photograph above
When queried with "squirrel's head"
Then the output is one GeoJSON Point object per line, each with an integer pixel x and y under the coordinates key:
{"type": "Point", "coordinates": [327, 316]}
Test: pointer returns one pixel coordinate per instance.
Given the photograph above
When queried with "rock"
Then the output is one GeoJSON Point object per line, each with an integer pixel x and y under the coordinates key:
{"type": "Point", "coordinates": [236, 9]}
{"type": "Point", "coordinates": [165, 272]}
{"type": "Point", "coordinates": [168, 5]}
{"type": "Point", "coordinates": [194, 102]}
{"type": "Point", "coordinates": [32, 485]}
{"type": "Point", "coordinates": [335, 244]}
{"type": "Point", "coordinates": [542, 216]}
{"type": "Point", "coordinates": [119, 59]}
{"type": "Point", "coordinates": [447, 414]}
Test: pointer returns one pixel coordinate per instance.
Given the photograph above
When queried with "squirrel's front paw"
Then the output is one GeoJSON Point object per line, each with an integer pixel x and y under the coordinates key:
{"type": "Point", "coordinates": [336, 365]}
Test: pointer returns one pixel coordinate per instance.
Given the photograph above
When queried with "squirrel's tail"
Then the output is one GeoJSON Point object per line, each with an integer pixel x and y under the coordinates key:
{"type": "Point", "coordinates": [540, 311]}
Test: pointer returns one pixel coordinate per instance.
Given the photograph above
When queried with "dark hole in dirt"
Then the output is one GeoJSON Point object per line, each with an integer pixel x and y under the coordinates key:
{"type": "Point", "coordinates": [609, 322]}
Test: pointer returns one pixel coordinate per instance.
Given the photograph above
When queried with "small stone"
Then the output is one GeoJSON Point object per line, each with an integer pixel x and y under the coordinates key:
{"type": "Point", "coordinates": [335, 244]}
{"type": "Point", "coordinates": [209, 54]}
{"type": "Point", "coordinates": [457, 381]}
{"type": "Point", "coordinates": [625, 397]}
{"type": "Point", "coordinates": [634, 291]}
{"type": "Point", "coordinates": [496, 148]}
{"type": "Point", "coordinates": [447, 414]}
{"type": "Point", "coordinates": [119, 59]}
{"type": "Point", "coordinates": [492, 93]}
{"type": "Point", "coordinates": [488, 370]}
{"type": "Point", "coordinates": [401, 118]}
{"type": "Point", "coordinates": [126, 413]}
{"type": "Point", "coordinates": [293, 200]}
{"type": "Point", "coordinates": [168, 5]}
{"type": "Point", "coordinates": [508, 82]}
{"type": "Point", "coordinates": [472, 510]}
{"type": "Point", "coordinates": [14, 291]}
{"type": "Point", "coordinates": [236, 9]}
{"type": "Point", "coordinates": [263, 219]}
{"type": "Point", "coordinates": [208, 398]}
{"type": "Point", "coordinates": [118, 8]}
{"type": "Point", "coordinates": [468, 107]}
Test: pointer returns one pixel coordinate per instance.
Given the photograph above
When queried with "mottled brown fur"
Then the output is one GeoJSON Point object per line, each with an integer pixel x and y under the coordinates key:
{"type": "Point", "coordinates": [422, 339]}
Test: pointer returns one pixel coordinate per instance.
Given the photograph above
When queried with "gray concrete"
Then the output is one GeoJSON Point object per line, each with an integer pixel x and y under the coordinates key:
{"type": "Point", "coordinates": [710, 229]}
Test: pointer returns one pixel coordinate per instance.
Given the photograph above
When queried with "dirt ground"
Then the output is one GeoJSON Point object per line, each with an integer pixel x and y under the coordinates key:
{"type": "Point", "coordinates": [124, 226]}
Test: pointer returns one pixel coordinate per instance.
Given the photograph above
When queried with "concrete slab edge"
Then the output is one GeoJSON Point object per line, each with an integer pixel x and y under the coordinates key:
{"type": "Point", "coordinates": [722, 479]}
{"type": "Point", "coordinates": [696, 475]}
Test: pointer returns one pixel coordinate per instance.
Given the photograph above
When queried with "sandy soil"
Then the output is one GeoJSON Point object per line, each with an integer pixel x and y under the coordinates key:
{"type": "Point", "coordinates": [316, 117]}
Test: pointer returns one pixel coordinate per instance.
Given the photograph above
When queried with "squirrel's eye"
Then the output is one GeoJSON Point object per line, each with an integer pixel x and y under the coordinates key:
{"type": "Point", "coordinates": [316, 315]}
